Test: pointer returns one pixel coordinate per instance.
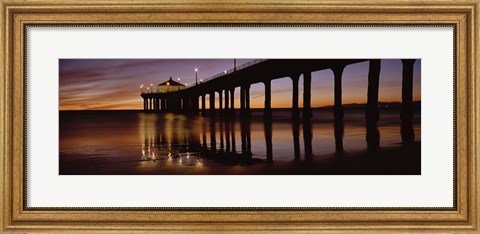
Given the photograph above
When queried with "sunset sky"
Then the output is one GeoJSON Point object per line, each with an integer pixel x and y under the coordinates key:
{"type": "Point", "coordinates": [114, 84]}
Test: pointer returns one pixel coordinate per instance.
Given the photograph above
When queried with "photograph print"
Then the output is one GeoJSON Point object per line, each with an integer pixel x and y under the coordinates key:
{"type": "Point", "coordinates": [240, 116]}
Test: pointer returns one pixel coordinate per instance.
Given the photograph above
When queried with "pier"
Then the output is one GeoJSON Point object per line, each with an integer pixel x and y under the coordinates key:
{"type": "Point", "coordinates": [192, 100]}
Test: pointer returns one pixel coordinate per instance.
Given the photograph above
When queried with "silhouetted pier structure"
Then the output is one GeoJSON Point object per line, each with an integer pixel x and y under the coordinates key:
{"type": "Point", "coordinates": [192, 99]}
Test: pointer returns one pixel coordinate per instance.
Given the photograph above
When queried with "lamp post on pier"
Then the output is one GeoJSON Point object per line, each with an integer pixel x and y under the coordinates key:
{"type": "Point", "coordinates": [196, 76]}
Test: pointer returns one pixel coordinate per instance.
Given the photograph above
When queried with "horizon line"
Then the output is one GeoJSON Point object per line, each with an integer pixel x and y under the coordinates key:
{"type": "Point", "coordinates": [260, 108]}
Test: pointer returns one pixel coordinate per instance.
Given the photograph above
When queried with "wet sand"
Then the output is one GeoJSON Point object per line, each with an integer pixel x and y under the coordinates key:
{"type": "Point", "coordinates": [396, 160]}
{"type": "Point", "coordinates": [137, 143]}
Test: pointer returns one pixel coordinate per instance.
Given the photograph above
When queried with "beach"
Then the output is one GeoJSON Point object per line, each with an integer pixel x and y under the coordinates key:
{"type": "Point", "coordinates": [135, 142]}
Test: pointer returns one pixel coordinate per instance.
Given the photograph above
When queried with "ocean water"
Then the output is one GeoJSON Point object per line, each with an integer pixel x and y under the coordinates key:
{"type": "Point", "coordinates": [134, 142]}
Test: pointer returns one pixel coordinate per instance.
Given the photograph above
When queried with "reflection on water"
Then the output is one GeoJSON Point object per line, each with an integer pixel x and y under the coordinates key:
{"type": "Point", "coordinates": [130, 142]}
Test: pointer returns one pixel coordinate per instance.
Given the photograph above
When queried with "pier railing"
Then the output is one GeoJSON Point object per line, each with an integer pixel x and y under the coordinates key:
{"type": "Point", "coordinates": [231, 70]}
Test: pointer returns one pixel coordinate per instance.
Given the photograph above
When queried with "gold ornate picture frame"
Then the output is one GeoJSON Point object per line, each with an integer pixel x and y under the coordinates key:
{"type": "Point", "coordinates": [16, 15]}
